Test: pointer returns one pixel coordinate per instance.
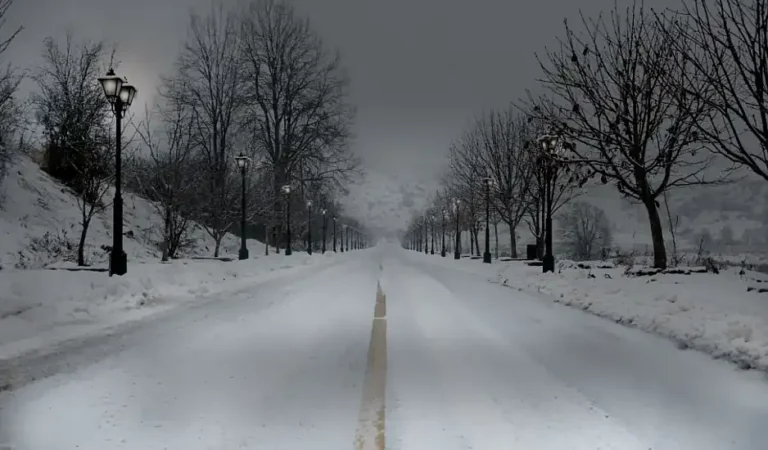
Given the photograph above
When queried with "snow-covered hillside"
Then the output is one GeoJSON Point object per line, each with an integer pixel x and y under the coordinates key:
{"type": "Point", "coordinates": [387, 203]}
{"type": "Point", "coordinates": [40, 224]}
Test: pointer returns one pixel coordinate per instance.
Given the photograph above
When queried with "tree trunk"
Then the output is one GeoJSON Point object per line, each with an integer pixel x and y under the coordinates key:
{"type": "Point", "coordinates": [166, 234]}
{"type": "Point", "coordinates": [540, 230]}
{"type": "Point", "coordinates": [81, 245]}
{"type": "Point", "coordinates": [267, 229]}
{"type": "Point", "coordinates": [512, 242]}
{"type": "Point", "coordinates": [496, 233]}
{"type": "Point", "coordinates": [657, 235]}
{"type": "Point", "coordinates": [216, 248]}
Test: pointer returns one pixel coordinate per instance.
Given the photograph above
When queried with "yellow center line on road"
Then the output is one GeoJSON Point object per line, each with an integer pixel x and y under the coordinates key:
{"type": "Point", "coordinates": [371, 421]}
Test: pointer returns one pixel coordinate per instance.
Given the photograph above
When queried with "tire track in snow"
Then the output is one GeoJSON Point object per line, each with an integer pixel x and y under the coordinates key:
{"type": "Point", "coordinates": [371, 427]}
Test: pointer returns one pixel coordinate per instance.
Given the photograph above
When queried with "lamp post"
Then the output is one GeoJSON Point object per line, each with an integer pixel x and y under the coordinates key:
{"type": "Point", "coordinates": [325, 226]}
{"type": "Point", "coordinates": [334, 234]}
{"type": "Point", "coordinates": [549, 147]}
{"type": "Point", "coordinates": [309, 227]}
{"type": "Point", "coordinates": [456, 208]}
{"type": "Point", "coordinates": [287, 192]}
{"type": "Point", "coordinates": [442, 248]}
{"type": "Point", "coordinates": [120, 95]}
{"type": "Point", "coordinates": [242, 163]}
{"type": "Point", "coordinates": [487, 253]}
{"type": "Point", "coordinates": [432, 223]}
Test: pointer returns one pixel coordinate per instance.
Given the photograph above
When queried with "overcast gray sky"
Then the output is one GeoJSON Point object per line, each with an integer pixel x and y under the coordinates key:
{"type": "Point", "coordinates": [420, 68]}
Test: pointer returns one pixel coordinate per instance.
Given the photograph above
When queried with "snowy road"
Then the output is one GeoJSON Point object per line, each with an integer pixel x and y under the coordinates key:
{"type": "Point", "coordinates": [468, 365]}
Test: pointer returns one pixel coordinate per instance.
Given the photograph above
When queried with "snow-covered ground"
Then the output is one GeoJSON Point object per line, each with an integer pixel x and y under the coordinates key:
{"type": "Point", "coordinates": [724, 315]}
{"type": "Point", "coordinates": [39, 228]}
{"type": "Point", "coordinates": [271, 364]}
{"type": "Point", "coordinates": [42, 307]}
{"type": "Point", "coordinates": [475, 365]}
{"type": "Point", "coordinates": [469, 364]}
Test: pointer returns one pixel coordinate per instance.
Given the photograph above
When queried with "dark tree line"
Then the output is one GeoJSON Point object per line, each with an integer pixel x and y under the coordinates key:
{"type": "Point", "coordinates": [256, 81]}
{"type": "Point", "coordinates": [645, 101]}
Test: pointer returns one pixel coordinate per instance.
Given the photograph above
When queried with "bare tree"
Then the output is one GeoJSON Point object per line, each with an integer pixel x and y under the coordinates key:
{"type": "Point", "coordinates": [566, 185]}
{"type": "Point", "coordinates": [71, 107]}
{"type": "Point", "coordinates": [208, 82]}
{"type": "Point", "coordinates": [166, 178]}
{"type": "Point", "coordinates": [10, 109]}
{"type": "Point", "coordinates": [585, 231]}
{"type": "Point", "coordinates": [506, 163]}
{"type": "Point", "coordinates": [464, 180]}
{"type": "Point", "coordinates": [673, 226]}
{"type": "Point", "coordinates": [95, 176]}
{"type": "Point", "coordinates": [619, 93]}
{"type": "Point", "coordinates": [726, 45]}
{"type": "Point", "coordinates": [296, 97]}
{"type": "Point", "coordinates": [75, 119]}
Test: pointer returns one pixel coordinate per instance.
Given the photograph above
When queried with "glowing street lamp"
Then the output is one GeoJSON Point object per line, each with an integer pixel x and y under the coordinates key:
{"type": "Point", "coordinates": [487, 254]}
{"type": "Point", "coordinates": [120, 95]}
{"type": "Point", "coordinates": [457, 211]}
{"type": "Point", "coordinates": [548, 159]}
{"type": "Point", "coordinates": [325, 225]}
{"type": "Point", "coordinates": [442, 249]}
{"type": "Point", "coordinates": [309, 227]}
{"type": "Point", "coordinates": [334, 233]}
{"type": "Point", "coordinates": [287, 193]}
{"type": "Point", "coordinates": [242, 163]}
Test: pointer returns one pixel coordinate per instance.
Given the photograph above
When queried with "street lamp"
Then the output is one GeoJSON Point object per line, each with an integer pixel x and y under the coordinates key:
{"type": "Point", "coordinates": [442, 249]}
{"type": "Point", "coordinates": [309, 227]}
{"type": "Point", "coordinates": [325, 226]}
{"type": "Point", "coordinates": [120, 95]}
{"type": "Point", "coordinates": [242, 163]}
{"type": "Point", "coordinates": [432, 224]}
{"type": "Point", "coordinates": [287, 193]}
{"type": "Point", "coordinates": [456, 209]}
{"type": "Point", "coordinates": [334, 234]}
{"type": "Point", "coordinates": [549, 149]}
{"type": "Point", "coordinates": [487, 254]}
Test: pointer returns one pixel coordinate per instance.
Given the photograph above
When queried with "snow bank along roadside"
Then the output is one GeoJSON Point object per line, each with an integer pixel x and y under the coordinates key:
{"type": "Point", "coordinates": [720, 314]}
{"type": "Point", "coordinates": [724, 315]}
{"type": "Point", "coordinates": [44, 307]}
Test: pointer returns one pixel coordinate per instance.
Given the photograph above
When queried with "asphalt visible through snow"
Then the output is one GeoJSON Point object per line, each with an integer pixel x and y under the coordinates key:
{"type": "Point", "coordinates": [299, 362]}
